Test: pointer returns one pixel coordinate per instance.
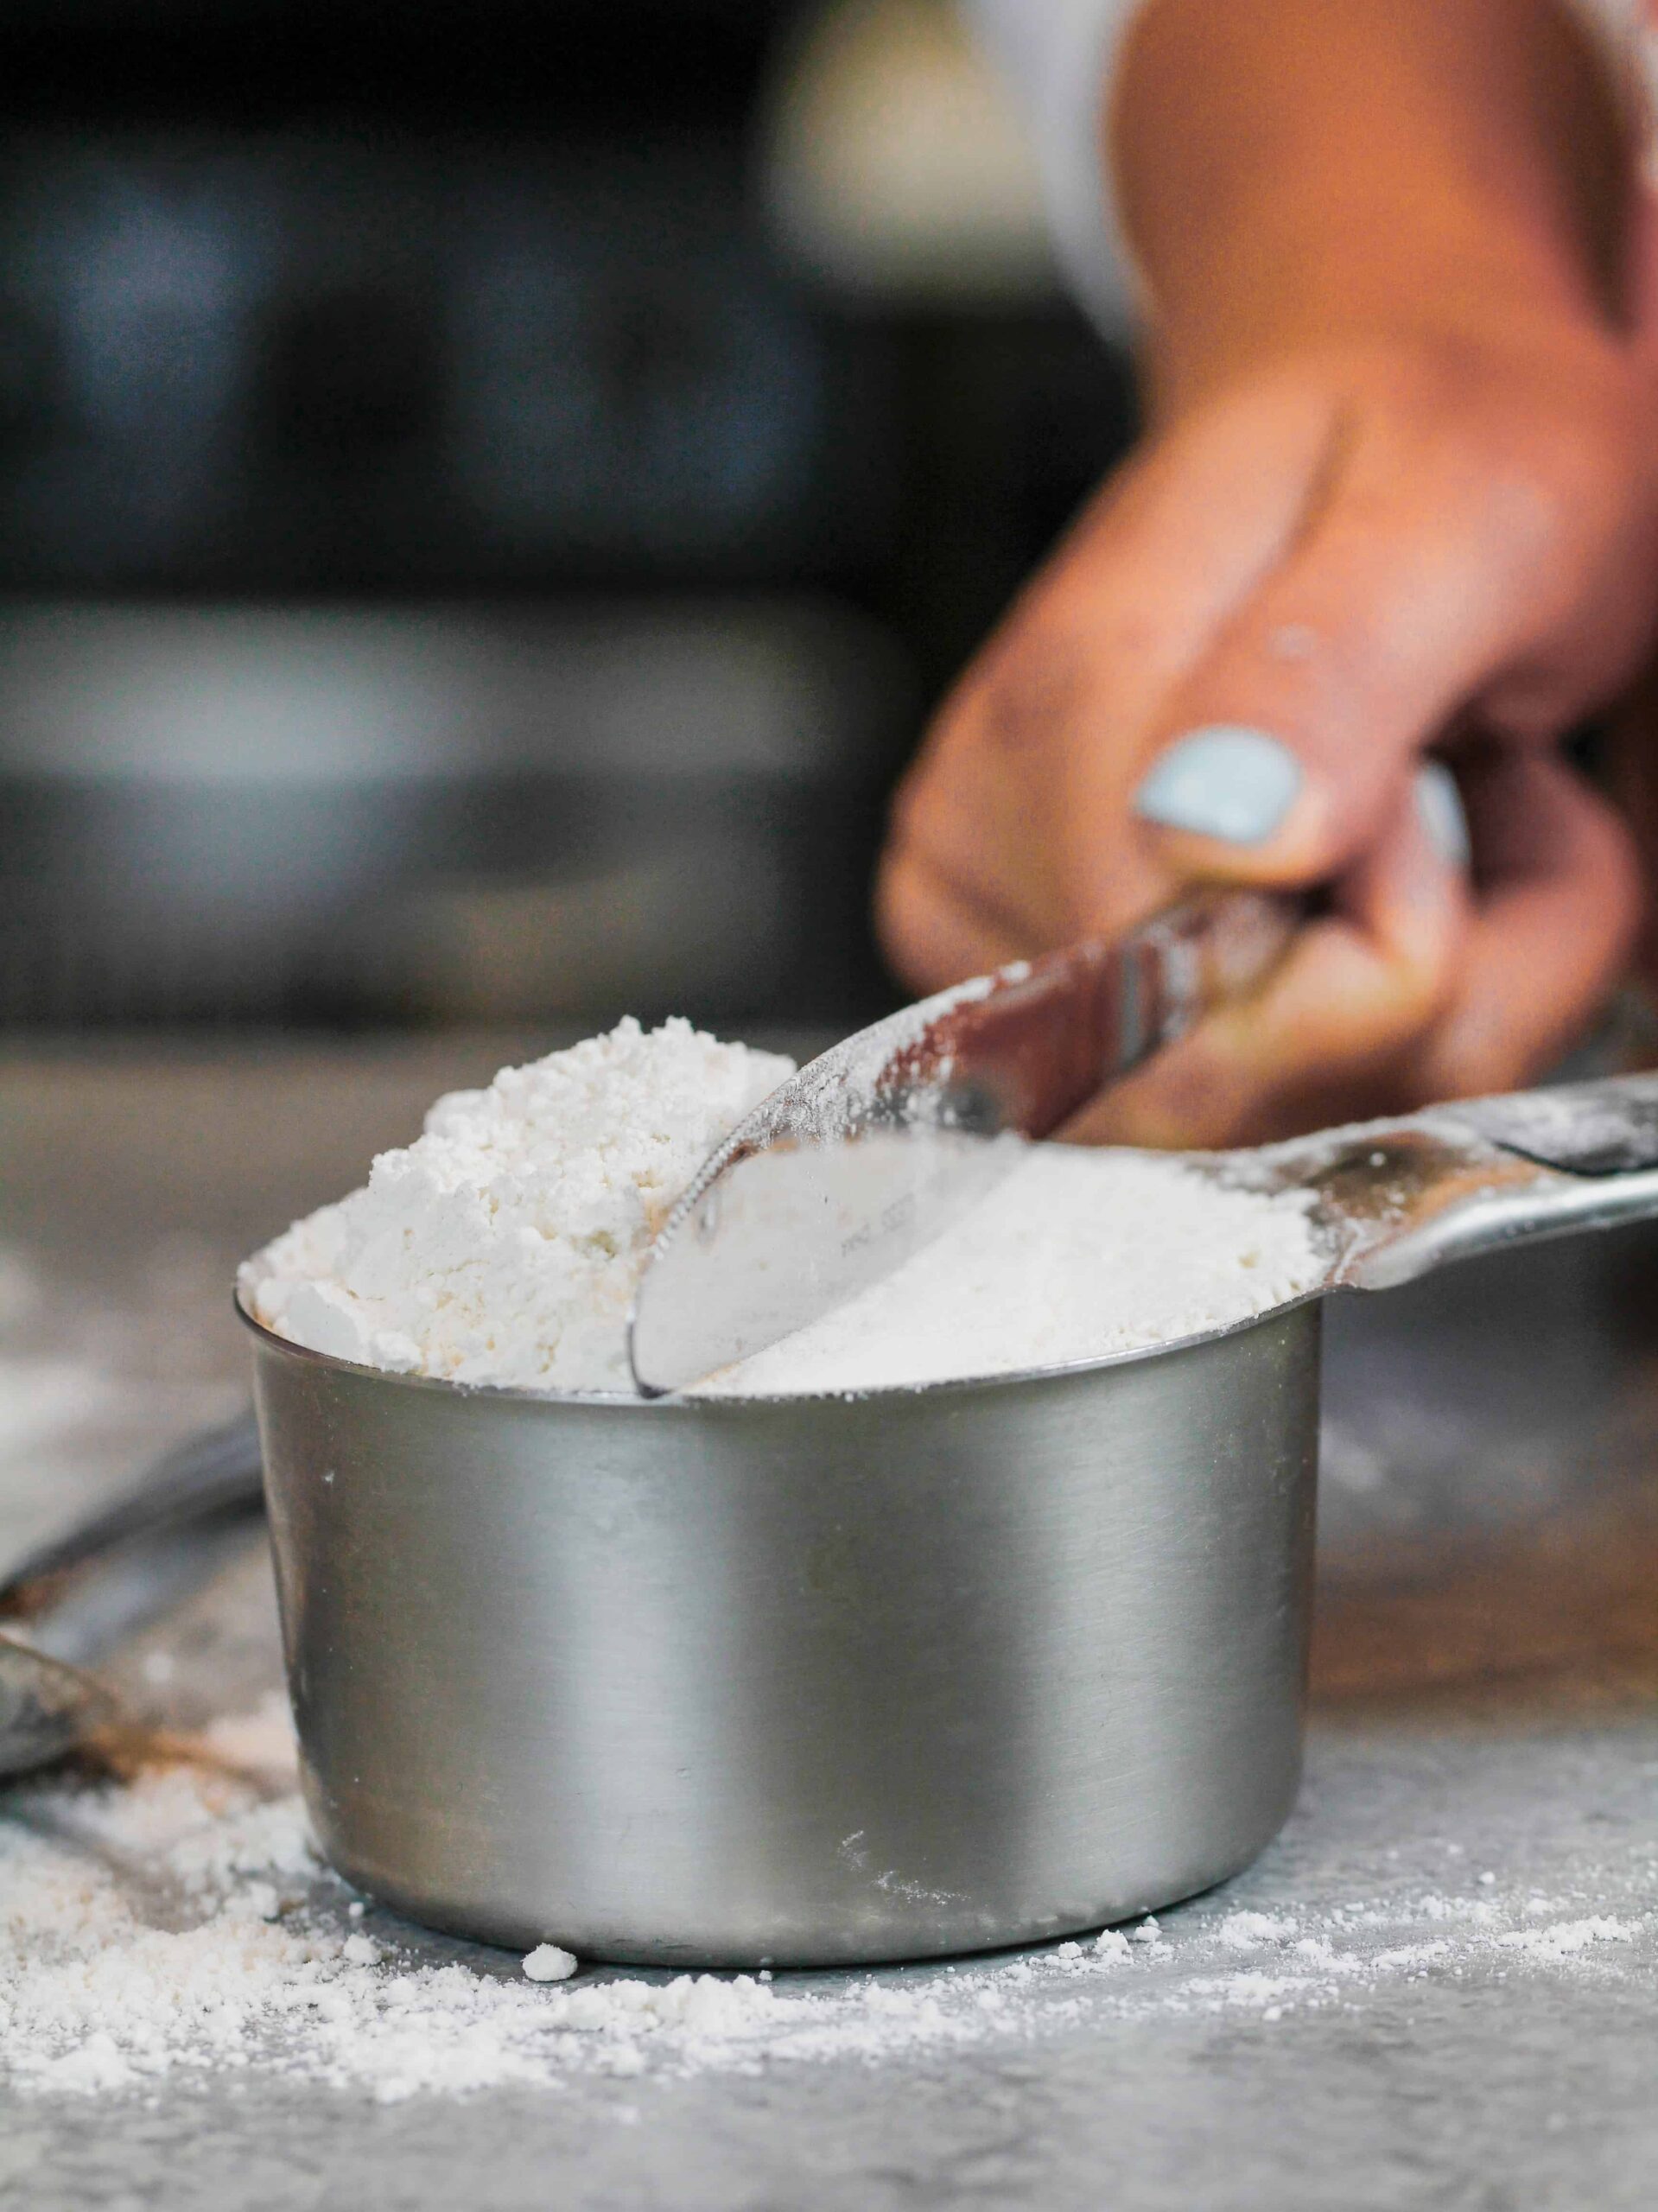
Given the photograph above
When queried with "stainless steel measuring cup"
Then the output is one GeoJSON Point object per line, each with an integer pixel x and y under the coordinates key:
{"type": "Point", "coordinates": [819, 1680]}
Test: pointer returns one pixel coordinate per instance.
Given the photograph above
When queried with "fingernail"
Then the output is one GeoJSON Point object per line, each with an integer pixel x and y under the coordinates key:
{"type": "Point", "coordinates": [1223, 782]}
{"type": "Point", "coordinates": [1440, 803]}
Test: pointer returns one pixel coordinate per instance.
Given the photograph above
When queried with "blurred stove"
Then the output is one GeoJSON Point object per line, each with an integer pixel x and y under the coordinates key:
{"type": "Point", "coordinates": [452, 812]}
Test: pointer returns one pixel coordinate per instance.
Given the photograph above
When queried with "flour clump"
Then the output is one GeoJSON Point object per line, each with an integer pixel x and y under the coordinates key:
{"type": "Point", "coordinates": [503, 1245]}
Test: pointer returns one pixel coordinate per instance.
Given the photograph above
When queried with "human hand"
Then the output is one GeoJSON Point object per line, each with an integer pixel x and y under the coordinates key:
{"type": "Point", "coordinates": [1235, 670]}
{"type": "Point", "coordinates": [1399, 502]}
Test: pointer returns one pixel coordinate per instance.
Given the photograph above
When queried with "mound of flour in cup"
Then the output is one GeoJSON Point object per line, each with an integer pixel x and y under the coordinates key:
{"type": "Point", "coordinates": [505, 1245]}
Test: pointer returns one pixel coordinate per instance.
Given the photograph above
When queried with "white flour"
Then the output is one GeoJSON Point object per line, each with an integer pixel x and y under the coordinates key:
{"type": "Point", "coordinates": [504, 1246]}
{"type": "Point", "coordinates": [1076, 1253]}
{"type": "Point", "coordinates": [180, 1926]}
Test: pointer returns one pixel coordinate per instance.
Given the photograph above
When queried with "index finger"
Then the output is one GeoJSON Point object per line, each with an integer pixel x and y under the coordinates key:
{"type": "Point", "coordinates": [1428, 574]}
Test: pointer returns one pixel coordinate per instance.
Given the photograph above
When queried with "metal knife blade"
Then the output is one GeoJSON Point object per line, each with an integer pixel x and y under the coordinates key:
{"type": "Point", "coordinates": [882, 1142]}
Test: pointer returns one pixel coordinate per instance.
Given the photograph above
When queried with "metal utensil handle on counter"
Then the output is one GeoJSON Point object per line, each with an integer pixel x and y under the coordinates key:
{"type": "Point", "coordinates": [810, 1200]}
{"type": "Point", "coordinates": [144, 1548]}
{"type": "Point", "coordinates": [216, 1470]}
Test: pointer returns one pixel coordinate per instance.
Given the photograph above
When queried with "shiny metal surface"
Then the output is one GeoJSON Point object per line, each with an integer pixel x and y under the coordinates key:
{"type": "Point", "coordinates": [66, 1604]}
{"type": "Point", "coordinates": [45, 1708]}
{"type": "Point", "coordinates": [876, 1145]}
{"type": "Point", "coordinates": [215, 1472]}
{"type": "Point", "coordinates": [813, 1681]}
{"type": "Point", "coordinates": [825, 1681]}
{"type": "Point", "coordinates": [1402, 1196]}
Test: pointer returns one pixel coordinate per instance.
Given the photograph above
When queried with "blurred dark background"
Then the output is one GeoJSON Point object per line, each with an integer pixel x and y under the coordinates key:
{"type": "Point", "coordinates": [488, 494]}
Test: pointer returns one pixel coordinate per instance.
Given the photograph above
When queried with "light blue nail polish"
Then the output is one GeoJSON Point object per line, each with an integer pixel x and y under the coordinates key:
{"type": "Point", "coordinates": [1440, 803]}
{"type": "Point", "coordinates": [1225, 781]}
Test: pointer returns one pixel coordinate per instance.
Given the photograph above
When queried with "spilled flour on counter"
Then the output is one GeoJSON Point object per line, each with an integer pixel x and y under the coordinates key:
{"type": "Point", "coordinates": [505, 1245]}
{"type": "Point", "coordinates": [178, 1925]}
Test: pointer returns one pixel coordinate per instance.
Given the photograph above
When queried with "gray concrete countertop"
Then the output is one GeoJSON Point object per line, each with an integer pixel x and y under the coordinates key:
{"type": "Point", "coordinates": [1446, 1994]}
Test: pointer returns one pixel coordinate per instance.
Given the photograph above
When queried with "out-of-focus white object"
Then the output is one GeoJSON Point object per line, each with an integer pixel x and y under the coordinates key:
{"type": "Point", "coordinates": [1061, 56]}
{"type": "Point", "coordinates": [897, 163]}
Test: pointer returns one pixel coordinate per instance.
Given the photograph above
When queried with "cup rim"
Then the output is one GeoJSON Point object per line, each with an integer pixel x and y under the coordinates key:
{"type": "Point", "coordinates": [745, 1406]}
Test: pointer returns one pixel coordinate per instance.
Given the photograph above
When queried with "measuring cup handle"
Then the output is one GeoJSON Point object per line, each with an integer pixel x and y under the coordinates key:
{"type": "Point", "coordinates": [1609, 1128]}
{"type": "Point", "coordinates": [1403, 1198]}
